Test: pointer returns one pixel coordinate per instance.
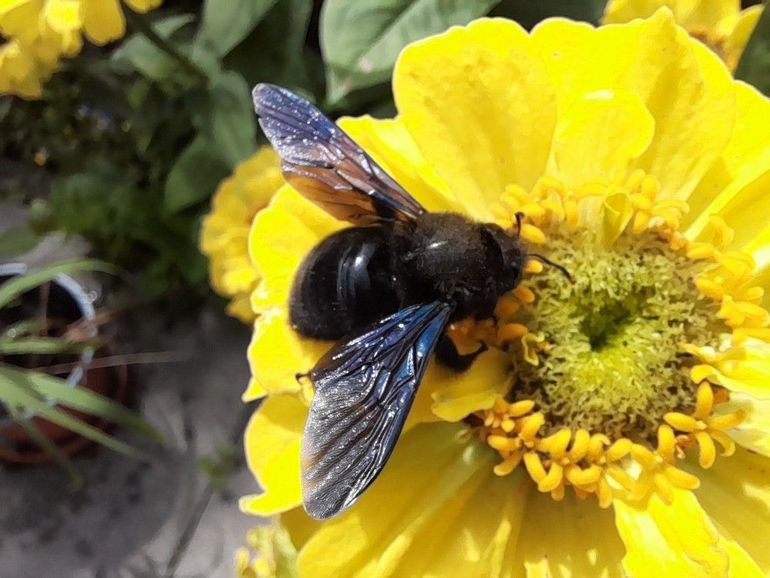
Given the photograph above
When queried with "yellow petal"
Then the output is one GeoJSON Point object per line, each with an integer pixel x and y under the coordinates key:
{"type": "Point", "coordinates": [17, 19]}
{"type": "Point", "coordinates": [615, 217]}
{"type": "Point", "coordinates": [277, 354]}
{"type": "Point", "coordinates": [225, 230]}
{"type": "Point", "coordinates": [391, 145]}
{"type": "Point", "coordinates": [279, 239]}
{"type": "Point", "coordinates": [688, 94]}
{"type": "Point", "coordinates": [599, 136]}
{"type": "Point", "coordinates": [692, 14]}
{"type": "Point", "coordinates": [474, 532]}
{"type": "Point", "coordinates": [567, 539]}
{"type": "Point", "coordinates": [450, 395]}
{"type": "Point", "coordinates": [300, 526]}
{"type": "Point", "coordinates": [762, 279]}
{"type": "Point", "coordinates": [103, 20]}
{"type": "Point", "coordinates": [742, 204]}
{"type": "Point", "coordinates": [747, 141]}
{"type": "Point", "coordinates": [736, 495]}
{"type": "Point", "coordinates": [240, 308]}
{"type": "Point", "coordinates": [740, 28]}
{"type": "Point", "coordinates": [674, 539]}
{"type": "Point", "coordinates": [142, 6]}
{"type": "Point", "coordinates": [272, 443]}
{"type": "Point", "coordinates": [759, 248]}
{"type": "Point", "coordinates": [63, 15]}
{"type": "Point", "coordinates": [748, 370]}
{"type": "Point", "coordinates": [426, 475]}
{"type": "Point", "coordinates": [754, 432]}
{"type": "Point", "coordinates": [741, 564]}
{"type": "Point", "coordinates": [478, 103]}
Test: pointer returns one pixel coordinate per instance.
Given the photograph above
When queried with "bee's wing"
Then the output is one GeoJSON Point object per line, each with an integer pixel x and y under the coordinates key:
{"type": "Point", "coordinates": [326, 165]}
{"type": "Point", "coordinates": [364, 388]}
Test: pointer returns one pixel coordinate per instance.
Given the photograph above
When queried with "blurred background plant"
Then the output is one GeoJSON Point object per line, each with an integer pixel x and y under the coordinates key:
{"type": "Point", "coordinates": [50, 391]}
{"type": "Point", "coordinates": [121, 119]}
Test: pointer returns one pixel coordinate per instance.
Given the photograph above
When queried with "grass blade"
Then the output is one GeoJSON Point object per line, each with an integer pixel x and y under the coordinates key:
{"type": "Point", "coordinates": [51, 387]}
{"type": "Point", "coordinates": [26, 398]}
{"type": "Point", "coordinates": [43, 346]}
{"type": "Point", "coordinates": [23, 328]}
{"type": "Point", "coordinates": [34, 433]}
{"type": "Point", "coordinates": [19, 285]}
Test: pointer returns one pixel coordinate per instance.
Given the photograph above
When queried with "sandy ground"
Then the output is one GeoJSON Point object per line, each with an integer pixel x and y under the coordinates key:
{"type": "Point", "coordinates": [161, 517]}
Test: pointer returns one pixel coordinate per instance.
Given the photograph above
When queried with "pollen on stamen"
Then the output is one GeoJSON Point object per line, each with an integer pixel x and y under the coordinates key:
{"type": "Point", "coordinates": [648, 311]}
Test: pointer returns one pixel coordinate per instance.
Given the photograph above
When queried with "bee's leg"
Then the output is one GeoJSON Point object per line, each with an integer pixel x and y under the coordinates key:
{"type": "Point", "coordinates": [300, 376]}
{"type": "Point", "coordinates": [447, 354]}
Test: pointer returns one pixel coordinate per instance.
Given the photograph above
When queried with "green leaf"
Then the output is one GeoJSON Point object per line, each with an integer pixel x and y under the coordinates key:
{"type": "Point", "coordinates": [18, 240]}
{"type": "Point", "coordinates": [754, 65]}
{"type": "Point", "coordinates": [225, 23]}
{"type": "Point", "coordinates": [48, 446]}
{"type": "Point", "coordinates": [18, 391]}
{"type": "Point", "coordinates": [275, 50]}
{"type": "Point", "coordinates": [17, 286]}
{"type": "Point", "coordinates": [87, 401]}
{"type": "Point", "coordinates": [42, 346]}
{"type": "Point", "coordinates": [230, 122]}
{"type": "Point", "coordinates": [195, 175]}
{"type": "Point", "coordinates": [146, 57]}
{"type": "Point", "coordinates": [528, 13]}
{"type": "Point", "coordinates": [22, 328]}
{"type": "Point", "coordinates": [361, 40]}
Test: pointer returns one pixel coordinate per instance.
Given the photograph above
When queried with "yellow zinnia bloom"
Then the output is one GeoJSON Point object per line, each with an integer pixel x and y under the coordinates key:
{"type": "Point", "coordinates": [617, 426]}
{"type": "Point", "coordinates": [38, 33]}
{"type": "Point", "coordinates": [721, 24]}
{"type": "Point", "coordinates": [225, 230]}
{"type": "Point", "coordinates": [269, 554]}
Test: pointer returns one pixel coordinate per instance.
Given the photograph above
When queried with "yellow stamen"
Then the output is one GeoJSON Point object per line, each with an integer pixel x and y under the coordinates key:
{"type": "Point", "coordinates": [704, 401]}
{"type": "Point", "coordinates": [524, 294]}
{"type": "Point", "coordinates": [511, 331]}
{"type": "Point", "coordinates": [681, 422]}
{"type": "Point", "coordinates": [555, 452]}
{"type": "Point", "coordinates": [579, 445]}
{"type": "Point", "coordinates": [534, 467]}
{"type": "Point", "coordinates": [533, 267]}
{"type": "Point", "coordinates": [532, 234]}
{"type": "Point", "coordinates": [552, 479]}
{"type": "Point", "coordinates": [708, 452]}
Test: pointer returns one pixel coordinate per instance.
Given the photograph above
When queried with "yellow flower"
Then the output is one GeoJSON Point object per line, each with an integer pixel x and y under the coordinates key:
{"type": "Point", "coordinates": [721, 24]}
{"type": "Point", "coordinates": [225, 231]}
{"type": "Point", "coordinates": [39, 33]}
{"type": "Point", "coordinates": [616, 426]}
{"type": "Point", "coordinates": [270, 554]}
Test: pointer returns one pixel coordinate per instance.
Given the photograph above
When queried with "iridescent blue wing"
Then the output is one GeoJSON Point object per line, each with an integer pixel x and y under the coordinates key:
{"type": "Point", "coordinates": [364, 388]}
{"type": "Point", "coordinates": [326, 165]}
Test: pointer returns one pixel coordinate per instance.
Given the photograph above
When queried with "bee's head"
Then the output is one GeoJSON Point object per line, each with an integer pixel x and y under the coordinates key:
{"type": "Point", "coordinates": [513, 256]}
{"type": "Point", "coordinates": [541, 258]}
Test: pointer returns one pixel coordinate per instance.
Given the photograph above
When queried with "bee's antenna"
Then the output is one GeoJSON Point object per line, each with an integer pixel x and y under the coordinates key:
{"type": "Point", "coordinates": [519, 217]}
{"type": "Point", "coordinates": [547, 261]}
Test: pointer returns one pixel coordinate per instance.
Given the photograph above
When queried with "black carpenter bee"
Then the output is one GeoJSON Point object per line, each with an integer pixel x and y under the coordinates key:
{"type": "Point", "coordinates": [385, 288]}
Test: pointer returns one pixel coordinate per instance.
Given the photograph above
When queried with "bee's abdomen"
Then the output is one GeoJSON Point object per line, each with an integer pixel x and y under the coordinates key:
{"type": "Point", "coordinates": [343, 284]}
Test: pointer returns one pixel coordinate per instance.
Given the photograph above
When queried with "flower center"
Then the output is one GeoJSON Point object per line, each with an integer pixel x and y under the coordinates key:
{"type": "Point", "coordinates": [614, 375]}
{"type": "Point", "coordinates": [614, 363]}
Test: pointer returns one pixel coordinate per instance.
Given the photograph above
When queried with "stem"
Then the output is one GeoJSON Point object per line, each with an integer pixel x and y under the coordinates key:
{"type": "Point", "coordinates": [139, 23]}
{"type": "Point", "coordinates": [115, 360]}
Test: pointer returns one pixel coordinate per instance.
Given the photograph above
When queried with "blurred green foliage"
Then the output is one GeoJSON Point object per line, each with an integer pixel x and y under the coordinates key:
{"type": "Point", "coordinates": [133, 139]}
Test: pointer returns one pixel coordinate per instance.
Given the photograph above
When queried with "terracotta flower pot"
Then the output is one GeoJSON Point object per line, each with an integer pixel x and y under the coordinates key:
{"type": "Point", "coordinates": [67, 301]}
